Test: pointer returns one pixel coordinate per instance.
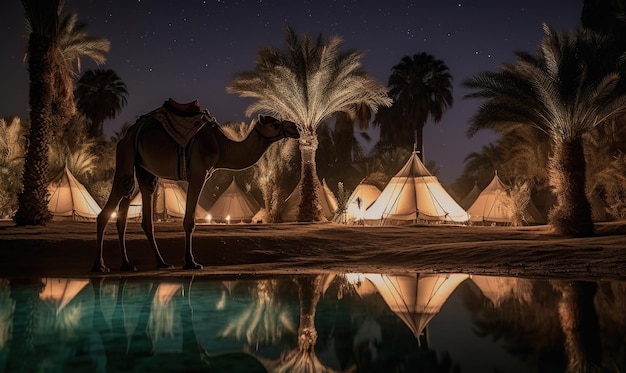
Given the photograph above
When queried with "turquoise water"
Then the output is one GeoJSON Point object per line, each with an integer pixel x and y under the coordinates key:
{"type": "Point", "coordinates": [327, 322]}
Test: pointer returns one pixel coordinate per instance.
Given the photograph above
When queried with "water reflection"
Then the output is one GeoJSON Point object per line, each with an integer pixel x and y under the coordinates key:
{"type": "Point", "coordinates": [314, 323]}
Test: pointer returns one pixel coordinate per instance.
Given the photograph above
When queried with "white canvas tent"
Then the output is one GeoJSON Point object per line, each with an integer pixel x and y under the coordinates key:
{"type": "Point", "coordinates": [327, 200]}
{"type": "Point", "coordinates": [416, 298]}
{"type": "Point", "coordinates": [234, 205]}
{"type": "Point", "coordinates": [170, 203]}
{"type": "Point", "coordinates": [69, 199]}
{"type": "Point", "coordinates": [361, 198]}
{"type": "Point", "coordinates": [414, 194]}
{"type": "Point", "coordinates": [491, 206]}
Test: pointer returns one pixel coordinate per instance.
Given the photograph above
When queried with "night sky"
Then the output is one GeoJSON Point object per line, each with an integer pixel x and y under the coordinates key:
{"type": "Point", "coordinates": [191, 49]}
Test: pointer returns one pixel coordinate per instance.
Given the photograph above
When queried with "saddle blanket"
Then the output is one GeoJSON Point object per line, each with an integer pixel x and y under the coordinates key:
{"type": "Point", "coordinates": [182, 121]}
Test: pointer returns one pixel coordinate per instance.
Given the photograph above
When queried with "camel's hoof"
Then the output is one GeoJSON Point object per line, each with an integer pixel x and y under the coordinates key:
{"type": "Point", "coordinates": [100, 268]}
{"type": "Point", "coordinates": [128, 268]}
{"type": "Point", "coordinates": [192, 265]}
{"type": "Point", "coordinates": [164, 266]}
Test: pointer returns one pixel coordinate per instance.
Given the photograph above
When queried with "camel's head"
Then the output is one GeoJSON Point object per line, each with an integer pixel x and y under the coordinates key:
{"type": "Point", "coordinates": [274, 129]}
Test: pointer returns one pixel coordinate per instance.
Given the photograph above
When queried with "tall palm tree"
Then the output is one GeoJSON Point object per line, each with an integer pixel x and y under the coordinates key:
{"type": "Point", "coordinates": [73, 43]}
{"type": "Point", "coordinates": [571, 85]}
{"type": "Point", "coordinates": [100, 95]}
{"type": "Point", "coordinates": [421, 87]}
{"type": "Point", "coordinates": [53, 47]}
{"type": "Point", "coordinates": [42, 15]}
{"type": "Point", "coordinates": [307, 83]}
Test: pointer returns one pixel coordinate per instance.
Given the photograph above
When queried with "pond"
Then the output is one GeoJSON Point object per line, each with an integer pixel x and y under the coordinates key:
{"type": "Point", "coordinates": [314, 322]}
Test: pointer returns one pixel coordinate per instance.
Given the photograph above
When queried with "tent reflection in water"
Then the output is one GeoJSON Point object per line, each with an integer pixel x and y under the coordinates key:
{"type": "Point", "coordinates": [497, 289]}
{"type": "Point", "coordinates": [164, 323]}
{"type": "Point", "coordinates": [417, 298]}
{"type": "Point", "coordinates": [69, 199]}
{"type": "Point", "coordinates": [60, 291]}
{"type": "Point", "coordinates": [414, 194]}
{"type": "Point", "coordinates": [59, 312]}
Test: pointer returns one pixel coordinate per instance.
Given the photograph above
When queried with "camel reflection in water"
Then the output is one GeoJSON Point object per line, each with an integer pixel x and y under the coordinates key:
{"type": "Point", "coordinates": [325, 322]}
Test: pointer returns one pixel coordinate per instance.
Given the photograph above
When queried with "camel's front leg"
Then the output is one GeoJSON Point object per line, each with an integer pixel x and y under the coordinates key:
{"type": "Point", "coordinates": [147, 186]}
{"type": "Point", "coordinates": [118, 191]}
{"type": "Point", "coordinates": [101, 223]}
{"type": "Point", "coordinates": [196, 183]}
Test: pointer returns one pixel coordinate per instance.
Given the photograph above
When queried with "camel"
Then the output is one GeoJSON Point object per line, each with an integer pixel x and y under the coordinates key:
{"type": "Point", "coordinates": [148, 152]}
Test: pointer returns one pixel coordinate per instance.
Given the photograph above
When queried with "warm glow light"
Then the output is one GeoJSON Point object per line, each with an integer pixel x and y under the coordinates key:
{"type": "Point", "coordinates": [208, 218]}
{"type": "Point", "coordinates": [114, 215]}
{"type": "Point", "coordinates": [227, 219]}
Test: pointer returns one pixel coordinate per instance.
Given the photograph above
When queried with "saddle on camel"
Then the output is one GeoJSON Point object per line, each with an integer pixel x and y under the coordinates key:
{"type": "Point", "coordinates": [177, 142]}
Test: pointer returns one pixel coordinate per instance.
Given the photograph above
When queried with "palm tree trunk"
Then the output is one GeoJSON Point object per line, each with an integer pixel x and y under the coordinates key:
{"type": "Point", "coordinates": [33, 200]}
{"type": "Point", "coordinates": [572, 214]}
{"type": "Point", "coordinates": [309, 204]}
{"type": "Point", "coordinates": [309, 292]}
{"type": "Point", "coordinates": [579, 323]}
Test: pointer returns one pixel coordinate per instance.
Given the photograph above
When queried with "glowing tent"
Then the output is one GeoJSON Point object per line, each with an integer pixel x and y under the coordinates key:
{"type": "Point", "coordinates": [491, 206]}
{"type": "Point", "coordinates": [69, 199]}
{"type": "Point", "coordinates": [416, 299]}
{"type": "Point", "coordinates": [170, 203]}
{"type": "Point", "coordinates": [326, 196]}
{"type": "Point", "coordinates": [234, 205]}
{"type": "Point", "coordinates": [361, 198]}
{"type": "Point", "coordinates": [414, 194]}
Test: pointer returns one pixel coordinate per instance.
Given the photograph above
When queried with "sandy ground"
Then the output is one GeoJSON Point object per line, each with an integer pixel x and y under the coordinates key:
{"type": "Point", "coordinates": [68, 249]}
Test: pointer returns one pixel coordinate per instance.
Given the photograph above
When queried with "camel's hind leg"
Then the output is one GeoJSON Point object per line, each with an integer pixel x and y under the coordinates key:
{"type": "Point", "coordinates": [122, 216]}
{"type": "Point", "coordinates": [147, 186]}
{"type": "Point", "coordinates": [123, 185]}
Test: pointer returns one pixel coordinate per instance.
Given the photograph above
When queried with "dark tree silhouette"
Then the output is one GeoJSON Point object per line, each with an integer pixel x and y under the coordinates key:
{"type": "Point", "coordinates": [421, 87]}
{"type": "Point", "coordinates": [100, 95]}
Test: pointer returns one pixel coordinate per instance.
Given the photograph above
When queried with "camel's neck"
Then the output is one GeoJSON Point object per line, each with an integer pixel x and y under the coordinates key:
{"type": "Point", "coordinates": [238, 155]}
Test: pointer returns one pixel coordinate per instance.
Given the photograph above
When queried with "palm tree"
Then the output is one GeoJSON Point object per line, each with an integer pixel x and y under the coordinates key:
{"type": "Point", "coordinates": [72, 44]}
{"type": "Point", "coordinates": [42, 15]}
{"type": "Point", "coordinates": [605, 17]}
{"type": "Point", "coordinates": [421, 87]}
{"type": "Point", "coordinates": [55, 44]}
{"type": "Point", "coordinates": [570, 86]}
{"type": "Point", "coordinates": [307, 83]}
{"type": "Point", "coordinates": [272, 169]}
{"type": "Point", "coordinates": [348, 147]}
{"type": "Point", "coordinates": [100, 95]}
{"type": "Point", "coordinates": [12, 147]}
